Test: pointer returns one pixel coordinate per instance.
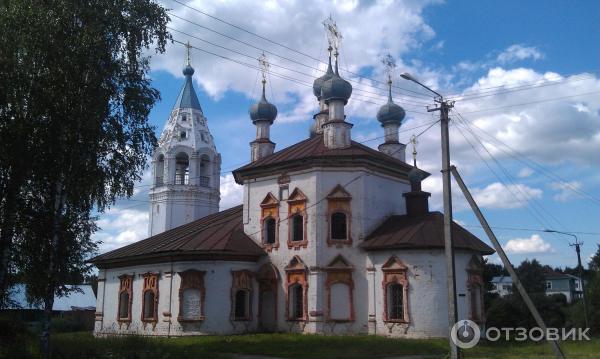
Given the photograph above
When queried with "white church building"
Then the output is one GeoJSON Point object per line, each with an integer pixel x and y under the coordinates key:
{"type": "Point", "coordinates": [332, 236]}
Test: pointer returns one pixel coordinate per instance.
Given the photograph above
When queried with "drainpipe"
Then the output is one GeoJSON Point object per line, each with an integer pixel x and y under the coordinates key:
{"type": "Point", "coordinates": [170, 297]}
{"type": "Point", "coordinates": [103, 299]}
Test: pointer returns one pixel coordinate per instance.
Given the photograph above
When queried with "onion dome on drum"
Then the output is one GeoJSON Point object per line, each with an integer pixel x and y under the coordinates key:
{"type": "Point", "coordinates": [263, 110]}
{"type": "Point", "coordinates": [390, 113]}
{"type": "Point", "coordinates": [318, 83]}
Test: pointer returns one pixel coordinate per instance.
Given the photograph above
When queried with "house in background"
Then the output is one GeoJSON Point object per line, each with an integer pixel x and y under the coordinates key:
{"type": "Point", "coordinates": [78, 306]}
{"type": "Point", "coordinates": [502, 285]}
{"type": "Point", "coordinates": [555, 283]}
{"type": "Point", "coordinates": [561, 283]}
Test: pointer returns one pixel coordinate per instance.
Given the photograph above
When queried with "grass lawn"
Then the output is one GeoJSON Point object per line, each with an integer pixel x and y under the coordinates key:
{"type": "Point", "coordinates": [84, 345]}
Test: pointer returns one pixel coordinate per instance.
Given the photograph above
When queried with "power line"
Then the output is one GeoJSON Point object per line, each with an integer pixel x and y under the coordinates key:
{"type": "Point", "coordinates": [533, 102]}
{"type": "Point", "coordinates": [531, 230]}
{"type": "Point", "coordinates": [519, 156]}
{"type": "Point", "coordinates": [281, 57]}
{"type": "Point", "coordinates": [420, 95]}
{"type": "Point", "coordinates": [463, 96]}
{"type": "Point", "coordinates": [528, 199]}
{"type": "Point", "coordinates": [312, 77]}
{"type": "Point", "coordinates": [282, 76]}
{"type": "Point", "coordinates": [533, 212]}
{"type": "Point", "coordinates": [484, 90]}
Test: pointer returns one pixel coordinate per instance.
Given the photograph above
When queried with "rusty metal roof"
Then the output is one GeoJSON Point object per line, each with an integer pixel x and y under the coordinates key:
{"type": "Point", "coordinates": [419, 232]}
{"type": "Point", "coordinates": [312, 152]}
{"type": "Point", "coordinates": [217, 236]}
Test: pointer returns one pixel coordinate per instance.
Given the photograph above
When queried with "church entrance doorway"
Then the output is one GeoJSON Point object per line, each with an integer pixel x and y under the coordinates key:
{"type": "Point", "coordinates": [268, 278]}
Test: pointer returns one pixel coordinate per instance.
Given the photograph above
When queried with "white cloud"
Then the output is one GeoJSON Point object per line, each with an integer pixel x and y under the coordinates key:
{"type": "Point", "coordinates": [566, 190]}
{"type": "Point", "coordinates": [498, 195]}
{"type": "Point", "coordinates": [122, 225]}
{"type": "Point", "coordinates": [518, 52]}
{"type": "Point", "coordinates": [533, 244]}
{"type": "Point", "coordinates": [525, 172]}
{"type": "Point", "coordinates": [232, 193]}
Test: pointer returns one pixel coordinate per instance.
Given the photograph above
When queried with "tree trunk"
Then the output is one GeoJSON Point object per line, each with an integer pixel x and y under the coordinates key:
{"type": "Point", "coordinates": [7, 230]}
{"type": "Point", "coordinates": [51, 284]}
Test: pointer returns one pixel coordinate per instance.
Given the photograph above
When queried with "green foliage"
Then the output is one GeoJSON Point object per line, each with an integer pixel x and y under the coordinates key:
{"type": "Point", "coordinates": [74, 133]}
{"type": "Point", "coordinates": [16, 340]}
{"type": "Point", "coordinates": [83, 345]}
{"type": "Point", "coordinates": [593, 300]}
{"type": "Point", "coordinates": [531, 274]}
{"type": "Point", "coordinates": [594, 264]}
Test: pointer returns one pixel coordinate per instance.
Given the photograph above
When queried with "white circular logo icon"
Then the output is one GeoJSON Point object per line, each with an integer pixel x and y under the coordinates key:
{"type": "Point", "coordinates": [465, 334]}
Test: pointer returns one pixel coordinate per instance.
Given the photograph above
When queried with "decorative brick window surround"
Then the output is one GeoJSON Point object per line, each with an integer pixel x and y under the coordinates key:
{"type": "Point", "coordinates": [297, 220]}
{"type": "Point", "coordinates": [125, 298]}
{"type": "Point", "coordinates": [339, 273]}
{"type": "Point", "coordinates": [241, 295]}
{"type": "Point", "coordinates": [395, 291]}
{"type": "Point", "coordinates": [191, 296]}
{"type": "Point", "coordinates": [475, 290]}
{"type": "Point", "coordinates": [150, 298]}
{"type": "Point", "coordinates": [339, 217]}
{"type": "Point", "coordinates": [269, 222]}
{"type": "Point", "coordinates": [296, 290]}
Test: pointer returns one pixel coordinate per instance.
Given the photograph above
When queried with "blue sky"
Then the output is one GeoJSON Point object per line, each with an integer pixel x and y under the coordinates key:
{"type": "Point", "coordinates": [473, 51]}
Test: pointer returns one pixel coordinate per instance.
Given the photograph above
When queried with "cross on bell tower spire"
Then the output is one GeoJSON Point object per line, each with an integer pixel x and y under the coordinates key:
{"type": "Point", "coordinates": [187, 54]}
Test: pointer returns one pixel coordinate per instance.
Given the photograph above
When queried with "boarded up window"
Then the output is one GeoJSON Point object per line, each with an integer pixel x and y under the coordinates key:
{"type": "Point", "coordinates": [191, 296]}
{"type": "Point", "coordinates": [340, 301]}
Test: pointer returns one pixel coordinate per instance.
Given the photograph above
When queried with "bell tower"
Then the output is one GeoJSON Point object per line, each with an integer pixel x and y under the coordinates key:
{"type": "Point", "coordinates": [185, 166]}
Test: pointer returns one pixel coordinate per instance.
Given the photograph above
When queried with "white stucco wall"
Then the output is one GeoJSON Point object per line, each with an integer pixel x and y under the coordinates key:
{"type": "Point", "coordinates": [217, 306]}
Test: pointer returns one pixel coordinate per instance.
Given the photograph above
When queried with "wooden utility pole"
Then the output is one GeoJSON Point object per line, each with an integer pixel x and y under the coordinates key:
{"type": "Point", "coordinates": [444, 107]}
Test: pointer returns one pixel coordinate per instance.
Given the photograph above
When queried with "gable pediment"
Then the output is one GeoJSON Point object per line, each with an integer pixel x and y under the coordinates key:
{"type": "Point", "coordinates": [339, 262]}
{"type": "Point", "coordinates": [296, 264]}
{"type": "Point", "coordinates": [269, 201]}
{"type": "Point", "coordinates": [394, 264]}
{"type": "Point", "coordinates": [297, 196]}
{"type": "Point", "coordinates": [339, 193]}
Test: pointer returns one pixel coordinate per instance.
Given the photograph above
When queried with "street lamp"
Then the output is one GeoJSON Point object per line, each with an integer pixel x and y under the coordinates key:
{"type": "Point", "coordinates": [577, 246]}
{"type": "Point", "coordinates": [444, 107]}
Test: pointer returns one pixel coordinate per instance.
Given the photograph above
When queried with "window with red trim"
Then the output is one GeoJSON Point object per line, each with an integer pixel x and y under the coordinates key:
{"type": "Point", "coordinates": [150, 298]}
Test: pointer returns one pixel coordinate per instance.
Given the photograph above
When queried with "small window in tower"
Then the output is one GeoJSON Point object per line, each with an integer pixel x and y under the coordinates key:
{"type": "Point", "coordinates": [339, 226]}
{"type": "Point", "coordinates": [269, 230]}
{"type": "Point", "coordinates": [297, 228]}
{"type": "Point", "coordinates": [184, 118]}
{"type": "Point", "coordinates": [158, 208]}
{"type": "Point", "coordinates": [183, 135]}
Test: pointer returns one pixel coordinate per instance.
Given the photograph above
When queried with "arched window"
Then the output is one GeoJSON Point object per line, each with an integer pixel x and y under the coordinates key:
{"type": "Point", "coordinates": [395, 302]}
{"type": "Point", "coordinates": [395, 291]}
{"type": "Point", "coordinates": [296, 304]}
{"type": "Point", "coordinates": [125, 293]}
{"type": "Point", "coordinates": [159, 170]}
{"type": "Point", "coordinates": [149, 305]}
{"type": "Point", "coordinates": [150, 298]}
{"type": "Point", "coordinates": [124, 306]}
{"type": "Point", "coordinates": [297, 228]}
{"type": "Point", "coordinates": [242, 305]}
{"type": "Point", "coordinates": [269, 229]}
{"type": "Point", "coordinates": [205, 171]}
{"type": "Point", "coordinates": [241, 295]}
{"type": "Point", "coordinates": [339, 226]}
{"type": "Point", "coordinates": [182, 168]}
